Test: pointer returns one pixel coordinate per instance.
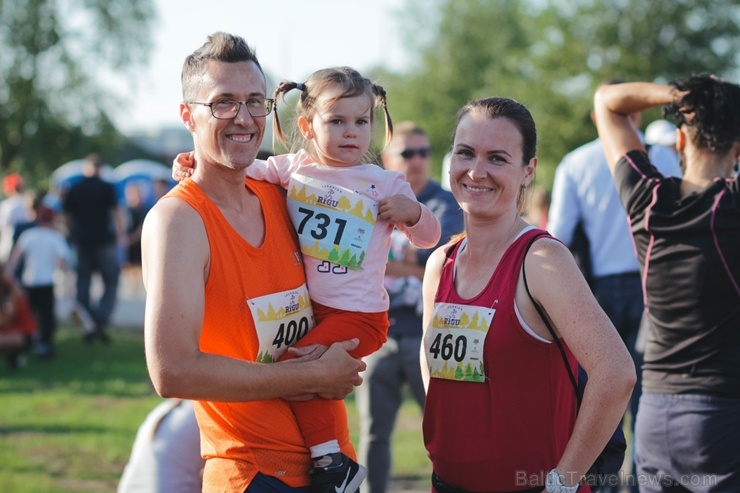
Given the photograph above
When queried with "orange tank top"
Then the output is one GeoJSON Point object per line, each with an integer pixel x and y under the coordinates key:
{"type": "Point", "coordinates": [239, 439]}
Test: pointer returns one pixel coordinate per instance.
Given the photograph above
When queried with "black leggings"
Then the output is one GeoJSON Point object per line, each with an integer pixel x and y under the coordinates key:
{"type": "Point", "coordinates": [41, 299]}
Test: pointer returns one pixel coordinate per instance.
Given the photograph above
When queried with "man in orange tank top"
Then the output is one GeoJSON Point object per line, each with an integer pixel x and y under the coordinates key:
{"type": "Point", "coordinates": [226, 290]}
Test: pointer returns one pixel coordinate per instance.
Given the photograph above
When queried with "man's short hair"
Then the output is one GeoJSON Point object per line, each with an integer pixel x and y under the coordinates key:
{"type": "Point", "coordinates": [406, 128]}
{"type": "Point", "coordinates": [95, 159]}
{"type": "Point", "coordinates": [220, 46]}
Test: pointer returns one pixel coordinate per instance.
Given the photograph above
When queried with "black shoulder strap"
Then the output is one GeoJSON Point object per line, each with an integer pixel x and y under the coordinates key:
{"type": "Point", "coordinates": [555, 338]}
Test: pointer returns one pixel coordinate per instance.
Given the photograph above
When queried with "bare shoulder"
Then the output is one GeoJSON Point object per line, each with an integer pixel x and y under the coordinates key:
{"type": "Point", "coordinates": [551, 269]}
{"type": "Point", "coordinates": [171, 213]}
{"type": "Point", "coordinates": [437, 258]}
{"type": "Point", "coordinates": [172, 223]}
{"type": "Point", "coordinates": [548, 252]}
{"type": "Point", "coordinates": [433, 271]}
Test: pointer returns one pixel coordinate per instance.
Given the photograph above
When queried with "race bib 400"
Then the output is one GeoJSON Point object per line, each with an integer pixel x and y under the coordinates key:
{"type": "Point", "coordinates": [281, 319]}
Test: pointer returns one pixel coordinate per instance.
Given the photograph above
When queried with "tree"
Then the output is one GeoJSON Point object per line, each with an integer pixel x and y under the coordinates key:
{"type": "Point", "coordinates": [52, 107]}
{"type": "Point", "coordinates": [630, 40]}
{"type": "Point", "coordinates": [550, 56]}
{"type": "Point", "coordinates": [461, 56]}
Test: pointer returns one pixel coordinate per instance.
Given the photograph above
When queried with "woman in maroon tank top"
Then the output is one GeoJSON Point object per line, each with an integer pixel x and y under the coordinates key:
{"type": "Point", "coordinates": [501, 412]}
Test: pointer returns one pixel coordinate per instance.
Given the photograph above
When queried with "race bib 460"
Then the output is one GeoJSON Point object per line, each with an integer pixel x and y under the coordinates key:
{"type": "Point", "coordinates": [454, 341]}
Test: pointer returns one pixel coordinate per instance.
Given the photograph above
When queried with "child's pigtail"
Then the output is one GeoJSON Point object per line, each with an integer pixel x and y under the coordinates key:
{"type": "Point", "coordinates": [383, 101]}
{"type": "Point", "coordinates": [279, 93]}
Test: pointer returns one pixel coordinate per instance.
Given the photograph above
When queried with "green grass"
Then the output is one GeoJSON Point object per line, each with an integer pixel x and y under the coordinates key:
{"type": "Point", "coordinates": [67, 425]}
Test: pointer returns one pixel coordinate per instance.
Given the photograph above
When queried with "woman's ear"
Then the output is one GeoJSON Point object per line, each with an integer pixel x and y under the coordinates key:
{"type": "Point", "coordinates": [304, 126]}
{"type": "Point", "coordinates": [529, 171]}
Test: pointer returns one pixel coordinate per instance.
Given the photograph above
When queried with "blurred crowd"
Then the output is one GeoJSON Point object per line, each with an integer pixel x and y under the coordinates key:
{"type": "Point", "coordinates": [68, 253]}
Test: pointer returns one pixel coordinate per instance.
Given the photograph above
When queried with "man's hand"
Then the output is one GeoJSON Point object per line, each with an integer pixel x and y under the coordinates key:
{"type": "Point", "coordinates": [398, 209]}
{"type": "Point", "coordinates": [183, 166]}
{"type": "Point", "coordinates": [340, 371]}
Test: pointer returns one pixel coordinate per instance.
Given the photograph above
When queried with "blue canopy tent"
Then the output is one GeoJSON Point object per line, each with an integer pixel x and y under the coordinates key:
{"type": "Point", "coordinates": [145, 174]}
{"type": "Point", "coordinates": [70, 173]}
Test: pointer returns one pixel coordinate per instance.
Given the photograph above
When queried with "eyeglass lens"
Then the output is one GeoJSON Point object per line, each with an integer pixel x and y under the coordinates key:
{"type": "Point", "coordinates": [409, 153]}
{"type": "Point", "coordinates": [229, 109]}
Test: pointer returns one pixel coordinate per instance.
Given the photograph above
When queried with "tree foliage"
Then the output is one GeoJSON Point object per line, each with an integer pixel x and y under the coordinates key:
{"type": "Point", "coordinates": [550, 55]}
{"type": "Point", "coordinates": [54, 55]}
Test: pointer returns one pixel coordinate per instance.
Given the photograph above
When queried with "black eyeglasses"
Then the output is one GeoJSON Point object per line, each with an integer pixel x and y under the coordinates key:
{"type": "Point", "coordinates": [409, 153]}
{"type": "Point", "coordinates": [227, 109]}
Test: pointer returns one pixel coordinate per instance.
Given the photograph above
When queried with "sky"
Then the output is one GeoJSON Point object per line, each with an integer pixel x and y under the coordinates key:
{"type": "Point", "coordinates": [292, 39]}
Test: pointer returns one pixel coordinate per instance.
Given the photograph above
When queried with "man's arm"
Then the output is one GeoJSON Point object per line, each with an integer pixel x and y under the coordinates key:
{"type": "Point", "coordinates": [564, 212]}
{"type": "Point", "coordinates": [450, 217]}
{"type": "Point", "coordinates": [175, 261]}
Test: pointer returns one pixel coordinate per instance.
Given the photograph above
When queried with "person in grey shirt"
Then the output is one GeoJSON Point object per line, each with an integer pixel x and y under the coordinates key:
{"type": "Point", "coordinates": [166, 453]}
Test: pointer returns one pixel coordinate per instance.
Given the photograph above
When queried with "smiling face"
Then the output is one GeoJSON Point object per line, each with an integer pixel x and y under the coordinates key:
{"type": "Point", "coordinates": [340, 130]}
{"type": "Point", "coordinates": [233, 143]}
{"type": "Point", "coordinates": [487, 171]}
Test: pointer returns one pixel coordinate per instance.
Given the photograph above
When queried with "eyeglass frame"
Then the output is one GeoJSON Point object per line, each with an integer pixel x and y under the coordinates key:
{"type": "Point", "coordinates": [239, 104]}
{"type": "Point", "coordinates": [422, 152]}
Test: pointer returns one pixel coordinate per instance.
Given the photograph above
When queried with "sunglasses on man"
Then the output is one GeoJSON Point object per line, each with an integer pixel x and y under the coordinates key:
{"type": "Point", "coordinates": [421, 152]}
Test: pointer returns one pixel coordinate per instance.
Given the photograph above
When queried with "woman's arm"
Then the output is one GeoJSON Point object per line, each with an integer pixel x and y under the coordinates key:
{"type": "Point", "coordinates": [614, 103]}
{"type": "Point", "coordinates": [559, 288]}
{"type": "Point", "coordinates": [432, 274]}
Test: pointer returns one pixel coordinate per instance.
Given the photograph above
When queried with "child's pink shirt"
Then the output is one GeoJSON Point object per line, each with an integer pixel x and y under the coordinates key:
{"type": "Point", "coordinates": [353, 290]}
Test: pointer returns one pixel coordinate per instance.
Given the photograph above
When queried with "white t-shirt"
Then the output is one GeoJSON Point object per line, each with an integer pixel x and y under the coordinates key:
{"type": "Point", "coordinates": [13, 211]}
{"type": "Point", "coordinates": [42, 248]}
{"type": "Point", "coordinates": [166, 453]}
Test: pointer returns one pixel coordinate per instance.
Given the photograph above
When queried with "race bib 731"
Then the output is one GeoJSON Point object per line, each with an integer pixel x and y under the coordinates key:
{"type": "Point", "coordinates": [333, 223]}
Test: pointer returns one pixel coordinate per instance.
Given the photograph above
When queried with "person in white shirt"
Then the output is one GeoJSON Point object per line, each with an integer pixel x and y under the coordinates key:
{"type": "Point", "coordinates": [166, 453]}
{"type": "Point", "coordinates": [43, 250]}
{"type": "Point", "coordinates": [13, 210]}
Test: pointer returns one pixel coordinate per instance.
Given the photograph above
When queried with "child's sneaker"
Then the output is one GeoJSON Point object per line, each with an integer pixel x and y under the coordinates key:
{"type": "Point", "coordinates": [336, 473]}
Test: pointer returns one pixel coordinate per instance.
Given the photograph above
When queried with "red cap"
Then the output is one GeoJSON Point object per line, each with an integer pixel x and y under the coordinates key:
{"type": "Point", "coordinates": [11, 182]}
